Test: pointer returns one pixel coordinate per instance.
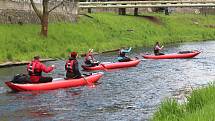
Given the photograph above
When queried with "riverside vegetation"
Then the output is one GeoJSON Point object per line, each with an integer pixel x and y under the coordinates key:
{"type": "Point", "coordinates": [200, 107]}
{"type": "Point", "coordinates": [101, 31]}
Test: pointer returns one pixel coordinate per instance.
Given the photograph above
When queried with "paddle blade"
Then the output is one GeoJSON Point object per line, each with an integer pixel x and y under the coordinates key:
{"type": "Point", "coordinates": [89, 84]}
{"type": "Point", "coordinates": [92, 86]}
{"type": "Point", "coordinates": [104, 67]}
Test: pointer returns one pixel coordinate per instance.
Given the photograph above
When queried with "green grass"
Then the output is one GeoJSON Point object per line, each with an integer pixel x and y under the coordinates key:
{"type": "Point", "coordinates": [105, 31]}
{"type": "Point", "coordinates": [200, 107]}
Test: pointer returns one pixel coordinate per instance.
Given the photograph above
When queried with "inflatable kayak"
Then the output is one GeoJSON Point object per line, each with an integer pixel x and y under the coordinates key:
{"type": "Point", "coordinates": [55, 84]}
{"type": "Point", "coordinates": [183, 54]}
{"type": "Point", "coordinates": [112, 65]}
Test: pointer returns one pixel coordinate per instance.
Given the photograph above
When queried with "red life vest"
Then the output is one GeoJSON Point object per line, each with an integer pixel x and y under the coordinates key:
{"type": "Point", "coordinates": [69, 65]}
{"type": "Point", "coordinates": [32, 71]}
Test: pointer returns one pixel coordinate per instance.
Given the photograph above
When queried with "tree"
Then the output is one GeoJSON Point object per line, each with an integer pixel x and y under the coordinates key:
{"type": "Point", "coordinates": [44, 14]}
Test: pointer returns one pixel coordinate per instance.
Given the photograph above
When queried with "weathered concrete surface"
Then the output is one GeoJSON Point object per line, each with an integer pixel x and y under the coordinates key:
{"type": "Point", "coordinates": [22, 12]}
{"type": "Point", "coordinates": [10, 16]}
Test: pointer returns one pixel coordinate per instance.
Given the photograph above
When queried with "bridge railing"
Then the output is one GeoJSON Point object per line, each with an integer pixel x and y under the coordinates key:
{"type": "Point", "coordinates": [140, 4]}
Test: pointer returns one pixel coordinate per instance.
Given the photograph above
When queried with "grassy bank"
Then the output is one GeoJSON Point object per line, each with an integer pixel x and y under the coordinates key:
{"type": "Point", "coordinates": [102, 32]}
{"type": "Point", "coordinates": [200, 107]}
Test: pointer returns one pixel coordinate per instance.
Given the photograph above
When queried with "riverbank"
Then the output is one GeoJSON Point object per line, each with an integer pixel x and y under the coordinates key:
{"type": "Point", "coordinates": [8, 64]}
{"type": "Point", "coordinates": [199, 107]}
{"type": "Point", "coordinates": [102, 32]}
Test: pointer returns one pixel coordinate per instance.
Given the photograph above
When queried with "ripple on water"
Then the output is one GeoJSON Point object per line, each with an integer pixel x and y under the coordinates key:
{"type": "Point", "coordinates": [121, 95]}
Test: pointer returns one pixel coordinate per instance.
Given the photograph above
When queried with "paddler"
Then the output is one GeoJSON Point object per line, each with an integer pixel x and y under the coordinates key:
{"type": "Point", "coordinates": [35, 69]}
{"type": "Point", "coordinates": [122, 57]}
{"type": "Point", "coordinates": [157, 49]}
{"type": "Point", "coordinates": [71, 67]}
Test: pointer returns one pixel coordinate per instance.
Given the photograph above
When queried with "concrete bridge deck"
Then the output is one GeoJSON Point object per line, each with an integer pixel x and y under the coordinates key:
{"type": "Point", "coordinates": [145, 4]}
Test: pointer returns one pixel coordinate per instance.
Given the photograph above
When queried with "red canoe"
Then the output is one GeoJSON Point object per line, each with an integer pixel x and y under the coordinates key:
{"type": "Point", "coordinates": [112, 65]}
{"type": "Point", "coordinates": [173, 56]}
{"type": "Point", "coordinates": [55, 84]}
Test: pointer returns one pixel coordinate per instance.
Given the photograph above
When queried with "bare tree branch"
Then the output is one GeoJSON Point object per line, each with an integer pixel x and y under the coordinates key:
{"type": "Point", "coordinates": [56, 6]}
{"type": "Point", "coordinates": [44, 14]}
{"type": "Point", "coordinates": [39, 14]}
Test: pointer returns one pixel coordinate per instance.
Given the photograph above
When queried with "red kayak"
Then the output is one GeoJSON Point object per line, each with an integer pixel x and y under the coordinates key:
{"type": "Point", "coordinates": [184, 54]}
{"type": "Point", "coordinates": [112, 65]}
{"type": "Point", "coordinates": [55, 84]}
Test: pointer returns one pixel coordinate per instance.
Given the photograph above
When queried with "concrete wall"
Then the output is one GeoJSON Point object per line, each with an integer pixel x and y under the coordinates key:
{"type": "Point", "coordinates": [22, 12]}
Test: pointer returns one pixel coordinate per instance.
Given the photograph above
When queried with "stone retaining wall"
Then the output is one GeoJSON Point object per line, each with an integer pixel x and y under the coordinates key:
{"type": "Point", "coordinates": [10, 16]}
{"type": "Point", "coordinates": [22, 12]}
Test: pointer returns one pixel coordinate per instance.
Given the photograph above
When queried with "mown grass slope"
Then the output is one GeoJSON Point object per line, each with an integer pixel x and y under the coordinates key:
{"type": "Point", "coordinates": [101, 31]}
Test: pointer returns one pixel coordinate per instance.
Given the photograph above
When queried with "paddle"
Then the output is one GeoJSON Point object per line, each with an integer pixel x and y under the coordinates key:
{"type": "Point", "coordinates": [144, 59]}
{"type": "Point", "coordinates": [89, 84]}
{"type": "Point", "coordinates": [84, 54]}
{"type": "Point", "coordinates": [104, 67]}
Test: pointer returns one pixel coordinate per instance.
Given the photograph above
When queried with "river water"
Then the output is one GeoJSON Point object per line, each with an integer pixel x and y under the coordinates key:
{"type": "Point", "coordinates": [131, 94]}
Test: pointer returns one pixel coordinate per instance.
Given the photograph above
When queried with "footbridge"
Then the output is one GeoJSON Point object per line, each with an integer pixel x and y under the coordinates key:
{"type": "Point", "coordinates": [146, 4]}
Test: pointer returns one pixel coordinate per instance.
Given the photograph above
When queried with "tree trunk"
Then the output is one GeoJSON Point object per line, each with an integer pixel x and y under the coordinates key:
{"type": "Point", "coordinates": [45, 19]}
{"type": "Point", "coordinates": [136, 11]}
{"type": "Point", "coordinates": [89, 10]}
{"type": "Point", "coordinates": [44, 25]}
{"type": "Point", "coordinates": [122, 11]}
{"type": "Point", "coordinates": [44, 15]}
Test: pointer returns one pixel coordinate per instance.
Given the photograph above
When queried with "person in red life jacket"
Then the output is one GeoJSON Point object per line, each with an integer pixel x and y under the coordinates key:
{"type": "Point", "coordinates": [35, 69]}
{"type": "Point", "coordinates": [71, 67]}
{"type": "Point", "coordinates": [89, 59]}
{"type": "Point", "coordinates": [157, 49]}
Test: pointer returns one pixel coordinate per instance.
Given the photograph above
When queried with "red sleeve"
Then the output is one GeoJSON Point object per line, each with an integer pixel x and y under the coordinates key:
{"type": "Point", "coordinates": [46, 69]}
